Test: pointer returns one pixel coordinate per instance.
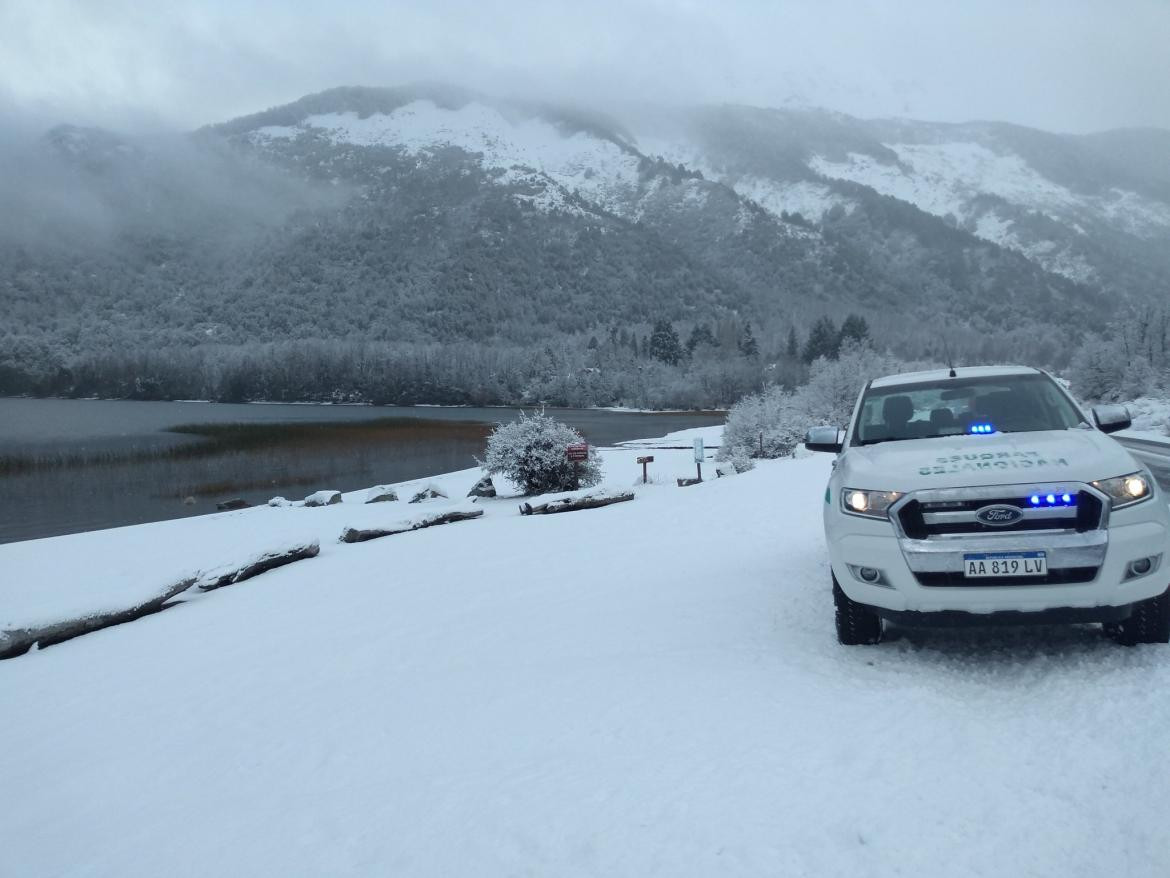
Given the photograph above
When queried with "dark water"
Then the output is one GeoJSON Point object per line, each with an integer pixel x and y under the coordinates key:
{"type": "Point", "coordinates": [74, 465]}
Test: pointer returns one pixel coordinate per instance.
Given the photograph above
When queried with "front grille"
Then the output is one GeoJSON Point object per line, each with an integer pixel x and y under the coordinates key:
{"type": "Point", "coordinates": [921, 520]}
{"type": "Point", "coordinates": [1063, 576]}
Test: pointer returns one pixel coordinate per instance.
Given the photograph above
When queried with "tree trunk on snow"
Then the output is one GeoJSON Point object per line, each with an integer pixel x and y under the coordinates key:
{"type": "Point", "coordinates": [572, 504]}
{"type": "Point", "coordinates": [18, 641]}
{"type": "Point", "coordinates": [353, 535]}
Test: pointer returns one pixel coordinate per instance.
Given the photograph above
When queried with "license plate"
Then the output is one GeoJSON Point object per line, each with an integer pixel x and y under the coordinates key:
{"type": "Point", "coordinates": [990, 564]}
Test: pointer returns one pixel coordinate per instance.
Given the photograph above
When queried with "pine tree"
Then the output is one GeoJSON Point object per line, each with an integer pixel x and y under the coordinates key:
{"type": "Point", "coordinates": [855, 329]}
{"type": "Point", "coordinates": [701, 334]}
{"type": "Point", "coordinates": [748, 346]}
{"type": "Point", "coordinates": [823, 341]}
{"type": "Point", "coordinates": [793, 347]}
{"type": "Point", "coordinates": [664, 344]}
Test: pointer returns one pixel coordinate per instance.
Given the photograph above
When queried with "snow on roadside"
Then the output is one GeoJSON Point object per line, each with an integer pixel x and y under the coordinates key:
{"type": "Point", "coordinates": [652, 688]}
{"type": "Point", "coordinates": [69, 577]}
{"type": "Point", "coordinates": [1151, 419]}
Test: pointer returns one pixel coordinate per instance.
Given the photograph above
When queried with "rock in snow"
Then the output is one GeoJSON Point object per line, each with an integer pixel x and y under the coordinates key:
{"type": "Point", "coordinates": [483, 488]}
{"type": "Point", "coordinates": [381, 494]}
{"type": "Point", "coordinates": [323, 498]}
{"type": "Point", "coordinates": [430, 492]}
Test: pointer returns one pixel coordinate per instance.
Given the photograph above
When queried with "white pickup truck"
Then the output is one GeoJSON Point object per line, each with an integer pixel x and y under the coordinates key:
{"type": "Point", "coordinates": [982, 495]}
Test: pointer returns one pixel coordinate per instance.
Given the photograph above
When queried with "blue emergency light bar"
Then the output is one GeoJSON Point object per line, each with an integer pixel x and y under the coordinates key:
{"type": "Point", "coordinates": [981, 428]}
{"type": "Point", "coordinates": [1065, 499]}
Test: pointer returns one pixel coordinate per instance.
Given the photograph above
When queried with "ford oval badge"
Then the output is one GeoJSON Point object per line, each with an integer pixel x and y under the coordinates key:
{"type": "Point", "coordinates": [999, 515]}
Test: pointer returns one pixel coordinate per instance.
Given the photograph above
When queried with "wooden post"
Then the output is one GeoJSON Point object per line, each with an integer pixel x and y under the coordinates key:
{"type": "Point", "coordinates": [645, 460]}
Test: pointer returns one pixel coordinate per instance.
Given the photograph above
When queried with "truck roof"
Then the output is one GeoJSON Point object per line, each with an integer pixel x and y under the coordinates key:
{"type": "Point", "coordinates": [942, 375]}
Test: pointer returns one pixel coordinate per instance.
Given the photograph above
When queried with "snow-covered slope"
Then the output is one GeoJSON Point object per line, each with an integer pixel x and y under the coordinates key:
{"type": "Point", "coordinates": [652, 688]}
{"type": "Point", "coordinates": [950, 179]}
{"type": "Point", "coordinates": [601, 170]}
{"type": "Point", "coordinates": [1048, 197]}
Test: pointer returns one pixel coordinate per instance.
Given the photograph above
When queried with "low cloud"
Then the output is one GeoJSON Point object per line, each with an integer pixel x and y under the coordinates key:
{"type": "Point", "coordinates": [1069, 65]}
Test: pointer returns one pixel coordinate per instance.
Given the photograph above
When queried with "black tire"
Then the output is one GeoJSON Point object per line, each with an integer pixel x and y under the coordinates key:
{"type": "Point", "coordinates": [1150, 622]}
{"type": "Point", "coordinates": [857, 624]}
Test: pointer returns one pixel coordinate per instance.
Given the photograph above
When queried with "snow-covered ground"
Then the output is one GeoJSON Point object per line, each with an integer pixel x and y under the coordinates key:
{"type": "Point", "coordinates": [1151, 419]}
{"type": "Point", "coordinates": [651, 688]}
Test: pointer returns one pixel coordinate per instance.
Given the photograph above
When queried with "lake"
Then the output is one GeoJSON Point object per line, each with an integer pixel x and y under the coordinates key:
{"type": "Point", "coordinates": [69, 465]}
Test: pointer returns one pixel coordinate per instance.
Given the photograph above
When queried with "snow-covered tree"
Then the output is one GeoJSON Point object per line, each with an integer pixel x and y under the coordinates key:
{"type": "Point", "coordinates": [792, 346]}
{"type": "Point", "coordinates": [665, 344]}
{"type": "Point", "coordinates": [854, 328]}
{"type": "Point", "coordinates": [823, 341]}
{"type": "Point", "coordinates": [1097, 371]}
{"type": "Point", "coordinates": [833, 384]}
{"type": "Point", "coordinates": [531, 452]}
{"type": "Point", "coordinates": [765, 424]}
{"type": "Point", "coordinates": [748, 346]}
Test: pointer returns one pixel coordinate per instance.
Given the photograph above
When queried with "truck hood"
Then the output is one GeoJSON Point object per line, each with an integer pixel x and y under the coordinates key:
{"type": "Point", "coordinates": [999, 459]}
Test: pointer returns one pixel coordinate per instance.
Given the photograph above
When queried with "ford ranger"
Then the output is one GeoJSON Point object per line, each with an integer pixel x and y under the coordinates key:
{"type": "Point", "coordinates": [985, 495]}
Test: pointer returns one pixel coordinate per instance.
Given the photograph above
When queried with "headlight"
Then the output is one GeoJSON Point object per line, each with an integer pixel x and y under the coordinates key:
{"type": "Point", "coordinates": [1126, 490]}
{"type": "Point", "coordinates": [870, 504]}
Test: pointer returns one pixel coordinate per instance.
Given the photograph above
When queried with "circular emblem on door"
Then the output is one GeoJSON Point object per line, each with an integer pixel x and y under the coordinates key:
{"type": "Point", "coordinates": [999, 515]}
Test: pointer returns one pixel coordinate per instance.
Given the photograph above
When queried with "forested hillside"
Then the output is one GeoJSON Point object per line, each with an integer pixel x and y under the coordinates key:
{"type": "Point", "coordinates": [427, 244]}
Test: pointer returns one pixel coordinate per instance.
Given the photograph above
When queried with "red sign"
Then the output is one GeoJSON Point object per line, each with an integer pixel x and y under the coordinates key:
{"type": "Point", "coordinates": [577, 452]}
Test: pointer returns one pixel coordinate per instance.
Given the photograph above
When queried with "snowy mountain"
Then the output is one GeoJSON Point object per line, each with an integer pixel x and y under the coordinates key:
{"type": "Point", "coordinates": [1076, 206]}
{"type": "Point", "coordinates": [429, 214]}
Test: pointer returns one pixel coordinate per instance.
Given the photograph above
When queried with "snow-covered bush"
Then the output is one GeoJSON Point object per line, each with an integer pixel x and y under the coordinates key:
{"type": "Point", "coordinates": [1106, 371]}
{"type": "Point", "coordinates": [531, 452]}
{"type": "Point", "coordinates": [766, 424]}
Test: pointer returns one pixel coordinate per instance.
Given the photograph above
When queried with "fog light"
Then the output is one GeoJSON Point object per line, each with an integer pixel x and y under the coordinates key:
{"type": "Point", "coordinates": [1141, 566]}
{"type": "Point", "coordinates": [869, 574]}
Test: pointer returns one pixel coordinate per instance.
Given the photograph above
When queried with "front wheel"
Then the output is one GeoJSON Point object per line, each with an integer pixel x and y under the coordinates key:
{"type": "Point", "coordinates": [857, 624]}
{"type": "Point", "coordinates": [1150, 622]}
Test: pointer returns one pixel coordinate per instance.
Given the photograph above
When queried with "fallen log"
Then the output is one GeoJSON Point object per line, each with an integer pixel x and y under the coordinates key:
{"type": "Point", "coordinates": [572, 504]}
{"type": "Point", "coordinates": [18, 641]}
{"type": "Point", "coordinates": [263, 564]}
{"type": "Point", "coordinates": [353, 535]}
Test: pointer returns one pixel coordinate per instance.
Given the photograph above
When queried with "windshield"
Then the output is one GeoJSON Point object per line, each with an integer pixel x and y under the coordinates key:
{"type": "Point", "coordinates": [959, 406]}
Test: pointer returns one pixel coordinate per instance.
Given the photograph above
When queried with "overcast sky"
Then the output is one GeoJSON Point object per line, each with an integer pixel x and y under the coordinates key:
{"type": "Point", "coordinates": [1066, 65]}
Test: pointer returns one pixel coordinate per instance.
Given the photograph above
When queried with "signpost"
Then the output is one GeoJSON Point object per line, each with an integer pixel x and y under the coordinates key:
{"type": "Point", "coordinates": [577, 453]}
{"type": "Point", "coordinates": [699, 454]}
{"type": "Point", "coordinates": [645, 460]}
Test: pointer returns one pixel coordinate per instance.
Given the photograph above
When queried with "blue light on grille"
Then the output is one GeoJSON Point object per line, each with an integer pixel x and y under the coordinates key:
{"type": "Point", "coordinates": [981, 428]}
{"type": "Point", "coordinates": [1064, 499]}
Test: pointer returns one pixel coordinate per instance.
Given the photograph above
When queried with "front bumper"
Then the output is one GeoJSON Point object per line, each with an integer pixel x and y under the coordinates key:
{"type": "Point", "coordinates": [1131, 534]}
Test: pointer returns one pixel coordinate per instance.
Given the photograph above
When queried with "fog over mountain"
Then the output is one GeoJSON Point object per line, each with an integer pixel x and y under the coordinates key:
{"type": "Point", "coordinates": [433, 215]}
{"type": "Point", "coordinates": [1061, 65]}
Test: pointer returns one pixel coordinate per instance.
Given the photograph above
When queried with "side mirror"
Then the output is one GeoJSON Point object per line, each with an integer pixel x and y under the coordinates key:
{"type": "Point", "coordinates": [828, 439]}
{"type": "Point", "coordinates": [1111, 418]}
